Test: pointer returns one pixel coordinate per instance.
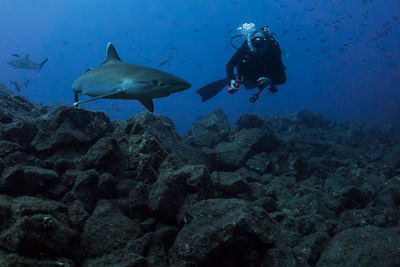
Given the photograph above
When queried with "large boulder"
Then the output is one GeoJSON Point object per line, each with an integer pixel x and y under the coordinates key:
{"type": "Point", "coordinates": [245, 144]}
{"type": "Point", "coordinates": [107, 230]}
{"type": "Point", "coordinates": [210, 130]}
{"type": "Point", "coordinates": [163, 130]}
{"type": "Point", "coordinates": [27, 180]}
{"type": "Point", "coordinates": [223, 232]}
{"type": "Point", "coordinates": [169, 192]}
{"type": "Point", "coordinates": [248, 121]}
{"type": "Point", "coordinates": [69, 129]}
{"type": "Point", "coordinates": [363, 246]}
{"type": "Point", "coordinates": [41, 234]}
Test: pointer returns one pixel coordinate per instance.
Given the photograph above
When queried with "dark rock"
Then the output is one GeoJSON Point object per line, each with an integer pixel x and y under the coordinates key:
{"type": "Point", "coordinates": [61, 165]}
{"type": "Point", "coordinates": [27, 180]}
{"type": "Point", "coordinates": [77, 215]}
{"type": "Point", "coordinates": [70, 129]}
{"type": "Point", "coordinates": [107, 230]}
{"type": "Point", "coordinates": [148, 225]}
{"type": "Point", "coordinates": [169, 191]}
{"type": "Point", "coordinates": [146, 155]}
{"type": "Point", "coordinates": [211, 129]}
{"type": "Point", "coordinates": [69, 177]}
{"type": "Point", "coordinates": [230, 183]}
{"type": "Point", "coordinates": [284, 256]}
{"type": "Point", "coordinates": [312, 247]}
{"type": "Point", "coordinates": [143, 196]}
{"type": "Point", "coordinates": [245, 143]}
{"type": "Point", "coordinates": [118, 258]}
{"type": "Point", "coordinates": [161, 128]}
{"type": "Point", "coordinates": [7, 148]}
{"type": "Point", "coordinates": [260, 163]}
{"type": "Point", "coordinates": [13, 259]}
{"type": "Point", "coordinates": [5, 213]}
{"type": "Point", "coordinates": [41, 234]}
{"type": "Point", "coordinates": [312, 120]}
{"type": "Point", "coordinates": [28, 206]}
{"type": "Point", "coordinates": [394, 157]}
{"type": "Point", "coordinates": [354, 197]}
{"type": "Point", "coordinates": [223, 232]}
{"type": "Point", "coordinates": [104, 154]}
{"type": "Point", "coordinates": [394, 185]}
{"type": "Point", "coordinates": [135, 204]}
{"type": "Point", "coordinates": [197, 178]}
{"type": "Point", "coordinates": [167, 235]}
{"type": "Point", "coordinates": [5, 118]}
{"type": "Point", "coordinates": [106, 187]}
{"type": "Point", "coordinates": [363, 246]}
{"type": "Point", "coordinates": [85, 188]}
{"type": "Point", "coordinates": [125, 186]}
{"type": "Point", "coordinates": [248, 121]}
{"type": "Point", "coordinates": [21, 132]}
{"type": "Point", "coordinates": [16, 107]}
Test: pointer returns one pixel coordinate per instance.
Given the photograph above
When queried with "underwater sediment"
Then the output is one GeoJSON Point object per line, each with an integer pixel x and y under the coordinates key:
{"type": "Point", "coordinates": [77, 189]}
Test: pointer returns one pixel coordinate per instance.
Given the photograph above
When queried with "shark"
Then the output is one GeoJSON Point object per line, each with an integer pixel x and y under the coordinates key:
{"type": "Point", "coordinates": [26, 63]}
{"type": "Point", "coordinates": [19, 85]}
{"type": "Point", "coordinates": [116, 79]}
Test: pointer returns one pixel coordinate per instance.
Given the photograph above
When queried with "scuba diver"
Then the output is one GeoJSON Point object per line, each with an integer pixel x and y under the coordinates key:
{"type": "Point", "coordinates": [258, 64]}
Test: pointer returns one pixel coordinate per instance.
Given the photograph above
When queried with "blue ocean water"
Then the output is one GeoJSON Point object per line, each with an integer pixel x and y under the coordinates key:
{"type": "Point", "coordinates": [341, 56]}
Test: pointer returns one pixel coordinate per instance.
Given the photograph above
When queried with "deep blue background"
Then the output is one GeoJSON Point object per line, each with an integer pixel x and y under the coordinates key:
{"type": "Point", "coordinates": [341, 56]}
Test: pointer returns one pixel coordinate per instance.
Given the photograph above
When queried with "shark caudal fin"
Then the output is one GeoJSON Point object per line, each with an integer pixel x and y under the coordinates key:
{"type": "Point", "coordinates": [41, 65]}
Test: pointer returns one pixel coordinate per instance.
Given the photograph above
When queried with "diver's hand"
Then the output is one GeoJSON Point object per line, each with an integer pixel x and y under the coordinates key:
{"type": "Point", "coordinates": [273, 88]}
{"type": "Point", "coordinates": [264, 81]}
{"type": "Point", "coordinates": [234, 87]}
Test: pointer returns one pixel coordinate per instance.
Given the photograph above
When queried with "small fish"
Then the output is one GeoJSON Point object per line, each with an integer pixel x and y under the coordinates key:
{"type": "Point", "coordinates": [165, 61]}
{"type": "Point", "coordinates": [26, 63]}
{"type": "Point", "coordinates": [15, 55]}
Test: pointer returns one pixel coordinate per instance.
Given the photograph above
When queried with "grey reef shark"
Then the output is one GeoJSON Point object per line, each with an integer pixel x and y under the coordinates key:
{"type": "Point", "coordinates": [26, 63]}
{"type": "Point", "coordinates": [116, 79]}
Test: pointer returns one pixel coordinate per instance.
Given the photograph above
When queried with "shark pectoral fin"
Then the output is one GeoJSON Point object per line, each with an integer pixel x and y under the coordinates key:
{"type": "Point", "coordinates": [98, 97]}
{"type": "Point", "coordinates": [147, 103]}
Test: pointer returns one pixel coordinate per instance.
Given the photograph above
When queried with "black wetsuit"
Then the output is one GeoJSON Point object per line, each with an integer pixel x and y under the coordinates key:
{"type": "Point", "coordinates": [251, 65]}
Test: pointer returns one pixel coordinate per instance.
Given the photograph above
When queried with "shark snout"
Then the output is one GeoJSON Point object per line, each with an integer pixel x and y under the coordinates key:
{"type": "Point", "coordinates": [184, 85]}
{"type": "Point", "coordinates": [180, 85]}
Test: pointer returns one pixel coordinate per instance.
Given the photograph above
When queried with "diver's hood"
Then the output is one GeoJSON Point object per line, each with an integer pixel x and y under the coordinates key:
{"type": "Point", "coordinates": [259, 39]}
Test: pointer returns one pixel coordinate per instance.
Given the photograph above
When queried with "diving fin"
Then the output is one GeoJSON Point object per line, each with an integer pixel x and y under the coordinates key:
{"type": "Point", "coordinates": [212, 89]}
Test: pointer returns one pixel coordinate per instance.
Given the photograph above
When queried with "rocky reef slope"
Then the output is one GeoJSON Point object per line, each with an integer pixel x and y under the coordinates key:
{"type": "Point", "coordinates": [77, 189]}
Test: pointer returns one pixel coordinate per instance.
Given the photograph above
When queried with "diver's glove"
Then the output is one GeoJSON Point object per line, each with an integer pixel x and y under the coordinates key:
{"type": "Point", "coordinates": [273, 88]}
{"type": "Point", "coordinates": [234, 87]}
{"type": "Point", "coordinates": [263, 82]}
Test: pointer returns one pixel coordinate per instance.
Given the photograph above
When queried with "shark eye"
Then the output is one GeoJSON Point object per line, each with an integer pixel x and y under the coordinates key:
{"type": "Point", "coordinates": [156, 83]}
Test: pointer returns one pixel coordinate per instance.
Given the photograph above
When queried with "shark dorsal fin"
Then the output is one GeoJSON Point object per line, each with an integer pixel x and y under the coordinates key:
{"type": "Point", "coordinates": [112, 55]}
{"type": "Point", "coordinates": [27, 56]}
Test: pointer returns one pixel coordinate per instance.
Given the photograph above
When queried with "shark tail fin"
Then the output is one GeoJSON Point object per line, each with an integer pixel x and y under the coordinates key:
{"type": "Point", "coordinates": [42, 64]}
